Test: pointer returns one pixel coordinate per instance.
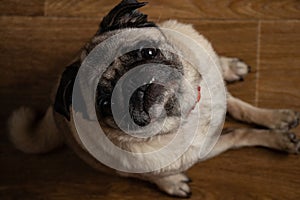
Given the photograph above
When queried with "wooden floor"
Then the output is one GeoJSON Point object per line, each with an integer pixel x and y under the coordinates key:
{"type": "Point", "coordinates": [39, 37]}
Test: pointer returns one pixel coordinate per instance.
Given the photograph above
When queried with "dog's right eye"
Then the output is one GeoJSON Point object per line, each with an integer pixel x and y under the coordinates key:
{"type": "Point", "coordinates": [105, 107]}
{"type": "Point", "coordinates": [149, 53]}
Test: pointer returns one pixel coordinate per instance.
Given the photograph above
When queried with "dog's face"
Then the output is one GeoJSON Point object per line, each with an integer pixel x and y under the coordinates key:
{"type": "Point", "coordinates": [158, 100]}
{"type": "Point", "coordinates": [150, 99]}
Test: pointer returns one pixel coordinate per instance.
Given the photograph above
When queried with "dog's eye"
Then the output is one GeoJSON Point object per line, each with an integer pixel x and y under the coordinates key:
{"type": "Point", "coordinates": [149, 53]}
{"type": "Point", "coordinates": [105, 107]}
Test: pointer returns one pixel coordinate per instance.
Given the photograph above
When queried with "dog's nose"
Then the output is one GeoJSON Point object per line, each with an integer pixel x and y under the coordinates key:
{"type": "Point", "coordinates": [154, 94]}
{"type": "Point", "coordinates": [147, 103]}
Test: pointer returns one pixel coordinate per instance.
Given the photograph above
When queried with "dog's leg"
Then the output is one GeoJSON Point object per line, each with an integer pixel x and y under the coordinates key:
{"type": "Point", "coordinates": [233, 69]}
{"type": "Point", "coordinates": [173, 185]}
{"type": "Point", "coordinates": [274, 139]}
{"type": "Point", "coordinates": [273, 119]}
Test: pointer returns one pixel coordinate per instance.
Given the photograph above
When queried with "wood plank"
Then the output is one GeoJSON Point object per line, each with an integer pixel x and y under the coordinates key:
{"type": "Point", "coordinates": [34, 51]}
{"type": "Point", "coordinates": [22, 7]}
{"type": "Point", "coordinates": [244, 9]}
{"type": "Point", "coordinates": [280, 65]}
{"type": "Point", "coordinates": [159, 9]}
{"type": "Point", "coordinates": [185, 9]}
{"type": "Point", "coordinates": [85, 8]}
{"type": "Point", "coordinates": [279, 85]}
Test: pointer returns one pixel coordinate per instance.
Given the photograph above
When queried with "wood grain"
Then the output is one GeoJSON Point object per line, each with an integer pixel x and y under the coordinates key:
{"type": "Point", "coordinates": [245, 9]}
{"type": "Point", "coordinates": [279, 73]}
{"type": "Point", "coordinates": [22, 7]}
{"type": "Point", "coordinates": [185, 9]}
{"type": "Point", "coordinates": [280, 65]}
{"type": "Point", "coordinates": [243, 174]}
{"type": "Point", "coordinates": [159, 9]}
{"type": "Point", "coordinates": [33, 52]}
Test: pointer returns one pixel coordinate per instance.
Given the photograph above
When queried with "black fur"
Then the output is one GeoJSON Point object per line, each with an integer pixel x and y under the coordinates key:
{"type": "Point", "coordinates": [125, 15]}
{"type": "Point", "coordinates": [63, 99]}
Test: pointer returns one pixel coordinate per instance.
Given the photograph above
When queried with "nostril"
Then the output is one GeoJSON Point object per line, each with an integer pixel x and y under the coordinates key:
{"type": "Point", "coordinates": [136, 109]}
{"type": "Point", "coordinates": [142, 120]}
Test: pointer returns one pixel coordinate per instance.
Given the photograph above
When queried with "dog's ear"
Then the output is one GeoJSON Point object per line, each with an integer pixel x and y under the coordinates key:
{"type": "Point", "coordinates": [63, 98]}
{"type": "Point", "coordinates": [125, 15]}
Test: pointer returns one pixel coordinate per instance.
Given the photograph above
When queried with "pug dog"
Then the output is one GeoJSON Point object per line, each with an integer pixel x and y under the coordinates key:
{"type": "Point", "coordinates": [176, 97]}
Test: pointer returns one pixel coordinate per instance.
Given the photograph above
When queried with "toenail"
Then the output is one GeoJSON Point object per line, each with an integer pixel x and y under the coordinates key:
{"type": "Point", "coordinates": [292, 137]}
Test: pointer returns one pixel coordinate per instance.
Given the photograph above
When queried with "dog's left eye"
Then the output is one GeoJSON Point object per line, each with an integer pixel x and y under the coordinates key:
{"type": "Point", "coordinates": [105, 106]}
{"type": "Point", "coordinates": [149, 53]}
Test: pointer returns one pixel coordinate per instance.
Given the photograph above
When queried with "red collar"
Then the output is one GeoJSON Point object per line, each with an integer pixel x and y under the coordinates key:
{"type": "Point", "coordinates": [198, 99]}
{"type": "Point", "coordinates": [199, 94]}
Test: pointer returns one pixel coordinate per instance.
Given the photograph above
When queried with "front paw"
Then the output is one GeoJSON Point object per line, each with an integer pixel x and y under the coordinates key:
{"type": "Point", "coordinates": [234, 69]}
{"type": "Point", "coordinates": [285, 119]}
{"type": "Point", "coordinates": [174, 185]}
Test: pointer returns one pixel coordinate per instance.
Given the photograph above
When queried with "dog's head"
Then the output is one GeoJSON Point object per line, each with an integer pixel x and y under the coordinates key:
{"type": "Point", "coordinates": [160, 93]}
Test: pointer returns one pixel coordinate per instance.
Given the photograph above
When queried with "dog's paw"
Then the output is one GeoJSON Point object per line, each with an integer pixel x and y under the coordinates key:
{"type": "Point", "coordinates": [285, 119]}
{"type": "Point", "coordinates": [175, 185]}
{"type": "Point", "coordinates": [287, 141]}
{"type": "Point", "coordinates": [234, 69]}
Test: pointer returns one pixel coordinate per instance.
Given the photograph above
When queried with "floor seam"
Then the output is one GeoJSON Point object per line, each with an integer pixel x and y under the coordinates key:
{"type": "Point", "coordinates": [258, 62]}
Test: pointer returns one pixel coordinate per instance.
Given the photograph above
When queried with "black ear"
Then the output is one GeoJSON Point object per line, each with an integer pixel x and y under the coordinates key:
{"type": "Point", "coordinates": [125, 15]}
{"type": "Point", "coordinates": [63, 99]}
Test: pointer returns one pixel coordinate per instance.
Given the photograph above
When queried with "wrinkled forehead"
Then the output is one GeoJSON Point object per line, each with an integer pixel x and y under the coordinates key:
{"type": "Point", "coordinates": [138, 38]}
{"type": "Point", "coordinates": [112, 45]}
{"type": "Point", "coordinates": [123, 42]}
